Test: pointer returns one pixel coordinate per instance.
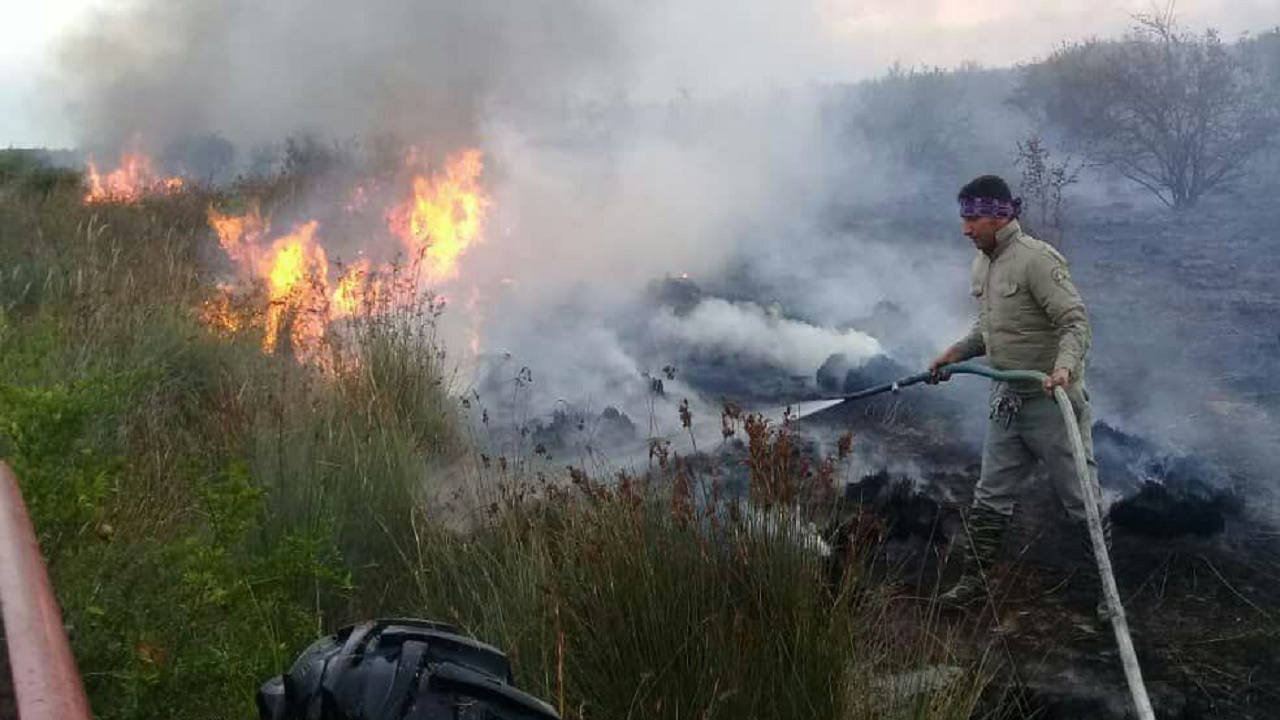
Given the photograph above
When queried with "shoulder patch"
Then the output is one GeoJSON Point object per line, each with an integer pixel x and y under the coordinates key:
{"type": "Point", "coordinates": [1060, 275]}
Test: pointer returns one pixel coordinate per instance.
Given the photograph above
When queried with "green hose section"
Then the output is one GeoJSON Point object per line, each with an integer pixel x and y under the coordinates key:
{"type": "Point", "coordinates": [963, 368]}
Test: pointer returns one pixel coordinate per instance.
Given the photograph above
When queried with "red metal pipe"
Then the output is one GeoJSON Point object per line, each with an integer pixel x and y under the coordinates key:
{"type": "Point", "coordinates": [46, 682]}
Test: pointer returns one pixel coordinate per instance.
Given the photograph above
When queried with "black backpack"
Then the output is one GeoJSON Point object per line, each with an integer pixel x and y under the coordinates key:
{"type": "Point", "coordinates": [399, 669]}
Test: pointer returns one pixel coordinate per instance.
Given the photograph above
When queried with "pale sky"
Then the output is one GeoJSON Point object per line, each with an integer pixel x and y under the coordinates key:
{"type": "Point", "coordinates": [840, 40]}
{"type": "Point", "coordinates": [28, 29]}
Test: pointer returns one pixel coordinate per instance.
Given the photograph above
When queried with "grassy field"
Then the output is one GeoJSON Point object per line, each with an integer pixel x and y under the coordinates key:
{"type": "Point", "coordinates": [207, 509]}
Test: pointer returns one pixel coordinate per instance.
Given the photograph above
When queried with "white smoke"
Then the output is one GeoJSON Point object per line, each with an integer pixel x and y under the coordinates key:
{"type": "Point", "coordinates": [623, 143]}
{"type": "Point", "coordinates": [717, 327]}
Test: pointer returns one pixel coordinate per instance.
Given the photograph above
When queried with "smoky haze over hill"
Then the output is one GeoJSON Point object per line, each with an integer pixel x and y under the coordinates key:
{"type": "Point", "coordinates": [627, 143]}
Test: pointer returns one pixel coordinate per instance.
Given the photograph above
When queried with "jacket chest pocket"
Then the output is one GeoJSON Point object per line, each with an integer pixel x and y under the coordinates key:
{"type": "Point", "coordinates": [1008, 302]}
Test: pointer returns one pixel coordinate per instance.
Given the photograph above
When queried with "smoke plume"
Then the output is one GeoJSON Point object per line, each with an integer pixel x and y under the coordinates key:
{"type": "Point", "coordinates": [718, 328]}
{"type": "Point", "coordinates": [623, 143]}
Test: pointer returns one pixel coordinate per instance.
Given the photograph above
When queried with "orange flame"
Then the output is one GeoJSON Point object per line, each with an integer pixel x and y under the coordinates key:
{"type": "Point", "coordinates": [239, 235]}
{"type": "Point", "coordinates": [220, 313]}
{"type": "Point", "coordinates": [296, 270]}
{"type": "Point", "coordinates": [129, 183]}
{"type": "Point", "coordinates": [305, 293]}
{"type": "Point", "coordinates": [350, 294]}
{"type": "Point", "coordinates": [445, 217]}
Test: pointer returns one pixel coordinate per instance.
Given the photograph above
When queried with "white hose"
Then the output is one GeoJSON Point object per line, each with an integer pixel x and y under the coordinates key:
{"type": "Point", "coordinates": [1092, 504]}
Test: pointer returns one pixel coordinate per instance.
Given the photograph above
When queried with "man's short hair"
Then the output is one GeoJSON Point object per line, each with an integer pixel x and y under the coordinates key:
{"type": "Point", "coordinates": [986, 186]}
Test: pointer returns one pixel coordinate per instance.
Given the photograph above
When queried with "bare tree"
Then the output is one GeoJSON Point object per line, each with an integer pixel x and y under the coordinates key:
{"type": "Point", "coordinates": [1179, 114]}
{"type": "Point", "coordinates": [1043, 182]}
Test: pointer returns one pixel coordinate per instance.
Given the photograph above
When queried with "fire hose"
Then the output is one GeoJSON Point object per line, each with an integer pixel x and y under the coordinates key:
{"type": "Point", "coordinates": [1093, 504]}
{"type": "Point", "coordinates": [46, 682]}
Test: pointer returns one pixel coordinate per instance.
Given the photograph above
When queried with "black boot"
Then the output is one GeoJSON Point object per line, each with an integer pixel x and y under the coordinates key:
{"type": "Point", "coordinates": [983, 533]}
{"type": "Point", "coordinates": [1093, 578]}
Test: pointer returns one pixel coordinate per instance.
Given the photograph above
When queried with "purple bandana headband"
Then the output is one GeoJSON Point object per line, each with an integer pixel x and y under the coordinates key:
{"type": "Point", "coordinates": [990, 207]}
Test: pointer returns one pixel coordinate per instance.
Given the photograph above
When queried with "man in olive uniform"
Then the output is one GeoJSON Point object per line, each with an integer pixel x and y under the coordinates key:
{"type": "Point", "coordinates": [1030, 317]}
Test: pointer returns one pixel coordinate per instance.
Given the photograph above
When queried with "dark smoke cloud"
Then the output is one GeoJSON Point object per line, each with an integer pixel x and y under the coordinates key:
{"type": "Point", "coordinates": [627, 141]}
{"type": "Point", "coordinates": [259, 71]}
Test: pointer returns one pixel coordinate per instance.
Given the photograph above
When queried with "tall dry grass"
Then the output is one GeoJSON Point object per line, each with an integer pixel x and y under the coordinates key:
{"type": "Point", "coordinates": [207, 509]}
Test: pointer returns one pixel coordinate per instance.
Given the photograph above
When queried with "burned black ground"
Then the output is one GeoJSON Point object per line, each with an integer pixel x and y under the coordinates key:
{"type": "Point", "coordinates": [1198, 574]}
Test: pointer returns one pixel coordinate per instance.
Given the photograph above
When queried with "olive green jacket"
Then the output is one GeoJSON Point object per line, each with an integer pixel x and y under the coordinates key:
{"type": "Point", "coordinates": [1030, 316]}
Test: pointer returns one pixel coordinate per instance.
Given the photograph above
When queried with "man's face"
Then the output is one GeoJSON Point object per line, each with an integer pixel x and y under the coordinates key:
{"type": "Point", "coordinates": [982, 231]}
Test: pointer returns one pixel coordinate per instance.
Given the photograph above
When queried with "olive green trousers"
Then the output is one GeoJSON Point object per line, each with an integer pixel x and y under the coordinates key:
{"type": "Point", "coordinates": [1026, 427]}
